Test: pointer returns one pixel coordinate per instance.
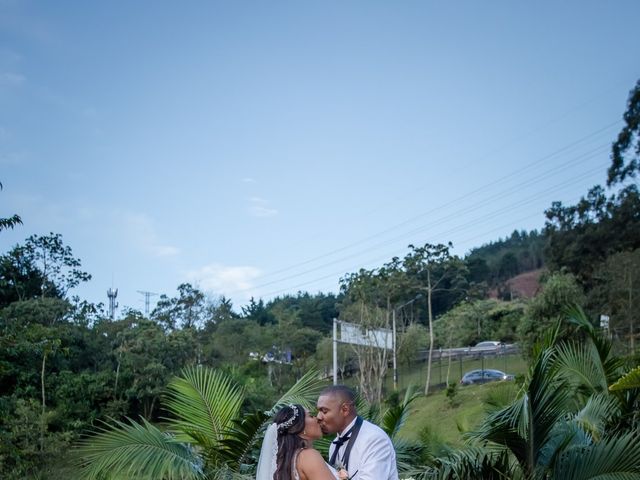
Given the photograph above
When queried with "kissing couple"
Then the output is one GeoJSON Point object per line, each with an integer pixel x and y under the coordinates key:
{"type": "Point", "coordinates": [361, 450]}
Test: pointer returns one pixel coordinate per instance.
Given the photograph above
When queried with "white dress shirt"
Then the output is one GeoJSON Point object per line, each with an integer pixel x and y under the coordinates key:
{"type": "Point", "coordinates": [372, 455]}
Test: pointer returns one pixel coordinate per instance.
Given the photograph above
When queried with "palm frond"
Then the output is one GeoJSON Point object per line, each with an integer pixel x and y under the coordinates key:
{"type": "Point", "coordinates": [550, 399]}
{"type": "Point", "coordinates": [476, 464]}
{"type": "Point", "coordinates": [368, 411]}
{"type": "Point", "coordinates": [204, 402]}
{"type": "Point", "coordinates": [525, 426]}
{"type": "Point", "coordinates": [551, 431]}
{"type": "Point", "coordinates": [408, 453]}
{"type": "Point", "coordinates": [500, 396]}
{"type": "Point", "coordinates": [508, 427]}
{"type": "Point", "coordinates": [223, 472]}
{"type": "Point", "coordinates": [593, 417]}
{"type": "Point", "coordinates": [305, 392]}
{"type": "Point", "coordinates": [564, 435]}
{"type": "Point", "coordinates": [628, 381]}
{"type": "Point", "coordinates": [616, 458]}
{"type": "Point", "coordinates": [612, 365]}
{"type": "Point", "coordinates": [395, 417]}
{"type": "Point", "coordinates": [241, 439]}
{"type": "Point", "coordinates": [323, 445]}
{"type": "Point", "coordinates": [133, 450]}
{"type": "Point", "coordinates": [576, 316]}
{"type": "Point", "coordinates": [548, 340]}
{"type": "Point", "coordinates": [580, 365]}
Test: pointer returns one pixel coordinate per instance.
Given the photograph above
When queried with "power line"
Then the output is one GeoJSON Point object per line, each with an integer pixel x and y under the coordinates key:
{"type": "Point", "coordinates": [476, 205]}
{"type": "Point", "coordinates": [592, 153]}
{"type": "Point", "coordinates": [540, 127]}
{"type": "Point", "coordinates": [545, 158]}
{"type": "Point", "coordinates": [386, 256]}
{"type": "Point", "coordinates": [529, 200]}
{"type": "Point", "coordinates": [533, 198]}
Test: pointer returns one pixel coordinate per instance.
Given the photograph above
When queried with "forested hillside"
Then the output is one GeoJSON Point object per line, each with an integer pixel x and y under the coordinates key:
{"type": "Point", "coordinates": [498, 261]}
{"type": "Point", "coordinates": [493, 267]}
{"type": "Point", "coordinates": [65, 365]}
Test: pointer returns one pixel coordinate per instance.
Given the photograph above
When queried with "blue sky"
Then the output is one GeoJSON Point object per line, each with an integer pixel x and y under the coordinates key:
{"type": "Point", "coordinates": [261, 148]}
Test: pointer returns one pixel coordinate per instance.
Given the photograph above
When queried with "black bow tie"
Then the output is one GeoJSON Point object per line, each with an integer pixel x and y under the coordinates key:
{"type": "Point", "coordinates": [338, 442]}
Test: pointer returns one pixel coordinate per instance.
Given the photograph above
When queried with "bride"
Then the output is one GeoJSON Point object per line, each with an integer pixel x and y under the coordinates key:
{"type": "Point", "coordinates": [287, 450]}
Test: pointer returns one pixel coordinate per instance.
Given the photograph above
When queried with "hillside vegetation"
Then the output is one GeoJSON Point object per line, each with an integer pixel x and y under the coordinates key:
{"type": "Point", "coordinates": [66, 365]}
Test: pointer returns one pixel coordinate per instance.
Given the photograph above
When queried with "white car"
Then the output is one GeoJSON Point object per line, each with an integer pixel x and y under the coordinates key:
{"type": "Point", "coordinates": [487, 346]}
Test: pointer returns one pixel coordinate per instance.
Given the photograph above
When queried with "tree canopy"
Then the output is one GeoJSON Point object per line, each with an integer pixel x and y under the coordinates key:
{"type": "Point", "coordinates": [625, 152]}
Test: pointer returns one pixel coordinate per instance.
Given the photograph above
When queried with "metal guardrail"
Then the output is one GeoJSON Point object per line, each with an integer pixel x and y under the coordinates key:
{"type": "Point", "coordinates": [467, 352]}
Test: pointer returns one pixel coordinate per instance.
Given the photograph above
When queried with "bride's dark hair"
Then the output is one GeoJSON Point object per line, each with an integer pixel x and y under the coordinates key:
{"type": "Point", "coordinates": [290, 421]}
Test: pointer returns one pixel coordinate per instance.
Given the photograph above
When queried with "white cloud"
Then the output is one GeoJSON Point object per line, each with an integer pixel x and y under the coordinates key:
{"type": "Point", "coordinates": [248, 180]}
{"type": "Point", "coordinates": [222, 279]}
{"type": "Point", "coordinates": [142, 232]}
{"type": "Point", "coordinates": [259, 207]}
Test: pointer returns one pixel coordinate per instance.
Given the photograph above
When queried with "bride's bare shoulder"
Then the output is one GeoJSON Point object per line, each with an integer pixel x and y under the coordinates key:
{"type": "Point", "coordinates": [311, 463]}
{"type": "Point", "coordinates": [310, 455]}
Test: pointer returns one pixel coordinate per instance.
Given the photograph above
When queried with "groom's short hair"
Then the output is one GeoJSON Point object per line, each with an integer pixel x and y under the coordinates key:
{"type": "Point", "coordinates": [346, 394]}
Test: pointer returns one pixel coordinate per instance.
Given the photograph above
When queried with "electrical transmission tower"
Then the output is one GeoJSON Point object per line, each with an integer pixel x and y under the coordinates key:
{"type": "Point", "coordinates": [147, 296]}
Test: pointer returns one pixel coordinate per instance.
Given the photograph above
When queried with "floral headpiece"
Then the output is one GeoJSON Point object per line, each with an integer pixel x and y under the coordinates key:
{"type": "Point", "coordinates": [287, 423]}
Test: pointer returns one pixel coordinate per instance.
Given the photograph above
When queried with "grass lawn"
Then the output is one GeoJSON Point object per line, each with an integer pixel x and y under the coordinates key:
{"type": "Point", "coordinates": [435, 417]}
{"type": "Point", "coordinates": [416, 374]}
{"type": "Point", "coordinates": [442, 423]}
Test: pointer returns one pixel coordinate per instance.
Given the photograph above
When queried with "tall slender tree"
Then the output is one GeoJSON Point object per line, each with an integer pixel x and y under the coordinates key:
{"type": "Point", "coordinates": [363, 306]}
{"type": "Point", "coordinates": [434, 270]}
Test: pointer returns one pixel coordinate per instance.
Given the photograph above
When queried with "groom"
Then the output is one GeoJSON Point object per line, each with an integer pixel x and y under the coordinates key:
{"type": "Point", "coordinates": [361, 447]}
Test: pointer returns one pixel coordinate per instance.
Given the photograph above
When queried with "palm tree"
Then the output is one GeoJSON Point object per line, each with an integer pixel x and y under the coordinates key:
{"type": "Point", "coordinates": [206, 435]}
{"type": "Point", "coordinates": [408, 453]}
{"type": "Point", "coordinates": [628, 381]}
{"type": "Point", "coordinates": [565, 424]}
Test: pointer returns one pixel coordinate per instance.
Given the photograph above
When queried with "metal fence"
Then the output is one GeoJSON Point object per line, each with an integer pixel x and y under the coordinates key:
{"type": "Point", "coordinates": [449, 365]}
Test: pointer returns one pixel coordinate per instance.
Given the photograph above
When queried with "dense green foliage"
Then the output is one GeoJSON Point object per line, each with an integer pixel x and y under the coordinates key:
{"type": "Point", "coordinates": [473, 321]}
{"type": "Point", "coordinates": [499, 261]}
{"type": "Point", "coordinates": [209, 435]}
{"type": "Point", "coordinates": [545, 310]}
{"type": "Point", "coordinates": [582, 236]}
{"type": "Point", "coordinates": [597, 240]}
{"type": "Point", "coordinates": [565, 423]}
{"type": "Point", "coordinates": [625, 153]}
{"type": "Point", "coordinates": [207, 432]}
{"type": "Point", "coordinates": [65, 366]}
